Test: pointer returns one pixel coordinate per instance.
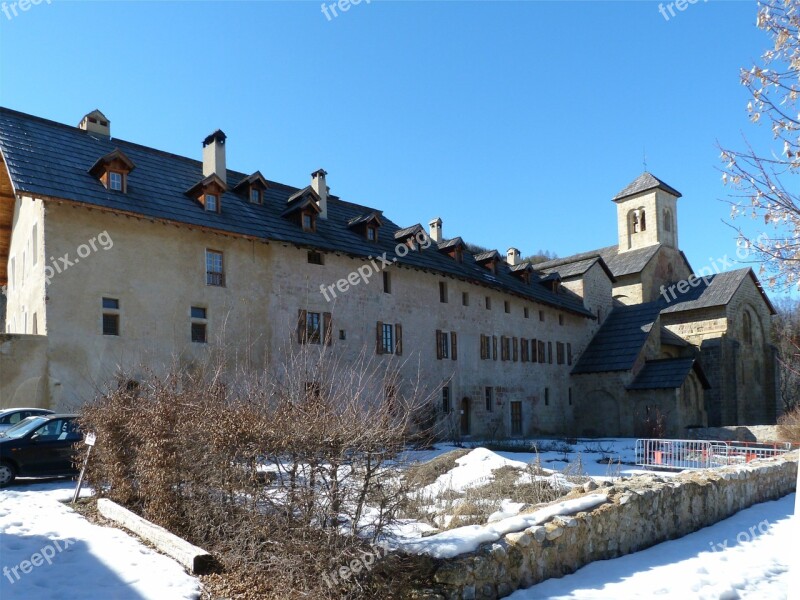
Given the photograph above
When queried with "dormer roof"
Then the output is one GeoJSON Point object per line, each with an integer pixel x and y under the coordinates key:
{"type": "Point", "coordinates": [256, 179]}
{"type": "Point", "coordinates": [103, 162]}
{"type": "Point", "coordinates": [204, 183]}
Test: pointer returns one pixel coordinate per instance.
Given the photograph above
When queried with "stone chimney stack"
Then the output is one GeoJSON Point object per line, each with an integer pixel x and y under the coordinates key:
{"type": "Point", "coordinates": [436, 230]}
{"type": "Point", "coordinates": [214, 155]}
{"type": "Point", "coordinates": [320, 185]}
{"type": "Point", "coordinates": [97, 123]}
{"type": "Point", "coordinates": [513, 257]}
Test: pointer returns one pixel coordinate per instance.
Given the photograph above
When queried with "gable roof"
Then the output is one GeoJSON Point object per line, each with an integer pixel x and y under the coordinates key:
{"type": "Point", "coordinates": [667, 373]}
{"type": "Point", "coordinates": [50, 160]}
{"type": "Point", "coordinates": [619, 340]}
{"type": "Point", "coordinates": [645, 182]}
{"type": "Point", "coordinates": [576, 268]}
{"type": "Point", "coordinates": [711, 291]}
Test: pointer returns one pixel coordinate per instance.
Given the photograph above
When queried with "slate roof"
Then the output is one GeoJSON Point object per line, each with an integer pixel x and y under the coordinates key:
{"type": "Point", "coordinates": [574, 269]}
{"type": "Point", "coordinates": [51, 160]}
{"type": "Point", "coordinates": [619, 340]}
{"type": "Point", "coordinates": [618, 263]}
{"type": "Point", "coordinates": [646, 181]}
{"type": "Point", "coordinates": [667, 373]}
{"type": "Point", "coordinates": [712, 291]}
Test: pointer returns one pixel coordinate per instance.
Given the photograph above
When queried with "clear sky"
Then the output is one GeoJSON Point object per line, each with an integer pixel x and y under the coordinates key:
{"type": "Point", "coordinates": [515, 122]}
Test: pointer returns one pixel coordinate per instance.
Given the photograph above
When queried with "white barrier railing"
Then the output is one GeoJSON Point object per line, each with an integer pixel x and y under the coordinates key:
{"type": "Point", "coordinates": [702, 454]}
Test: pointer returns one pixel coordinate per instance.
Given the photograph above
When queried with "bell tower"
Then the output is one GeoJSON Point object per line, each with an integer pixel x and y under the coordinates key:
{"type": "Point", "coordinates": [647, 214]}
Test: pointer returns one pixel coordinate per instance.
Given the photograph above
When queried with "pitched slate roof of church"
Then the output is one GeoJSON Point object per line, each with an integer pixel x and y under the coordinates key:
{"type": "Point", "coordinates": [667, 373]}
{"type": "Point", "coordinates": [619, 340]}
{"type": "Point", "coordinates": [618, 263]}
{"type": "Point", "coordinates": [646, 182]}
{"type": "Point", "coordinates": [51, 160]}
{"type": "Point", "coordinates": [712, 291]}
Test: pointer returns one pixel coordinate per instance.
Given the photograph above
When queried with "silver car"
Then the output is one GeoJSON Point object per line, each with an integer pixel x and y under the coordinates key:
{"type": "Point", "coordinates": [11, 416]}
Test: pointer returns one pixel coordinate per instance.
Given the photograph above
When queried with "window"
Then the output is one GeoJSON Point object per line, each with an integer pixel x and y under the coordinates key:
{"type": "Point", "coordinates": [443, 291]}
{"type": "Point", "coordinates": [445, 399]}
{"type": "Point", "coordinates": [212, 203]}
{"type": "Point", "coordinates": [560, 353]}
{"type": "Point", "coordinates": [547, 396]}
{"type": "Point", "coordinates": [372, 234]}
{"type": "Point", "coordinates": [507, 306]}
{"type": "Point", "coordinates": [464, 299]}
{"type": "Point", "coordinates": [389, 338]}
{"type": "Point", "coordinates": [569, 354]}
{"type": "Point", "coordinates": [494, 347]}
{"type": "Point", "coordinates": [526, 312]}
{"type": "Point", "coordinates": [642, 219]}
{"type": "Point", "coordinates": [387, 282]}
{"type": "Point", "coordinates": [540, 351]}
{"type": "Point", "coordinates": [515, 349]}
{"type": "Point", "coordinates": [541, 316]}
{"type": "Point", "coordinates": [314, 327]}
{"type": "Point", "coordinates": [215, 274]}
{"type": "Point", "coordinates": [115, 181]}
{"type": "Point", "coordinates": [199, 326]}
{"type": "Point", "coordinates": [560, 319]}
{"type": "Point", "coordinates": [550, 352]}
{"type": "Point", "coordinates": [308, 222]}
{"type": "Point", "coordinates": [442, 345]}
{"type": "Point", "coordinates": [486, 352]}
{"type": "Point", "coordinates": [523, 346]}
{"type": "Point", "coordinates": [516, 418]}
{"type": "Point", "coordinates": [505, 347]}
{"type": "Point", "coordinates": [255, 196]}
{"type": "Point", "coordinates": [534, 351]}
{"type": "Point", "coordinates": [314, 257]}
{"type": "Point", "coordinates": [489, 392]}
{"type": "Point", "coordinates": [342, 334]}
{"type": "Point", "coordinates": [110, 316]}
{"type": "Point", "coordinates": [488, 303]}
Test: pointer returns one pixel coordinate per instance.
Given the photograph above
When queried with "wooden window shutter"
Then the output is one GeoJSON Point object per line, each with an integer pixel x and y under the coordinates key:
{"type": "Point", "coordinates": [328, 328]}
{"type": "Point", "coordinates": [569, 353]}
{"type": "Point", "coordinates": [398, 339]}
{"type": "Point", "coordinates": [439, 351]}
{"type": "Point", "coordinates": [534, 353]}
{"type": "Point", "coordinates": [379, 338]}
{"type": "Point", "coordinates": [453, 345]}
{"type": "Point", "coordinates": [523, 347]}
{"type": "Point", "coordinates": [301, 326]}
{"type": "Point", "coordinates": [494, 347]}
{"type": "Point", "coordinates": [516, 349]}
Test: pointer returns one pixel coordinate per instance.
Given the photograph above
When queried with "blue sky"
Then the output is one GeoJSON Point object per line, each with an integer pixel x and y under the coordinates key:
{"type": "Point", "coordinates": [515, 122]}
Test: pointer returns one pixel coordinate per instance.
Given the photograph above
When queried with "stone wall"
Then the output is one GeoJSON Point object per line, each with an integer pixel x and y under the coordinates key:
{"type": "Point", "coordinates": [640, 512]}
{"type": "Point", "coordinates": [23, 371]}
{"type": "Point", "coordinates": [742, 433]}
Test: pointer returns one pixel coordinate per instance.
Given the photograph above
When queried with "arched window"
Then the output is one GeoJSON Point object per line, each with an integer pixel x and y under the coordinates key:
{"type": "Point", "coordinates": [747, 328]}
{"type": "Point", "coordinates": [633, 219]}
{"type": "Point", "coordinates": [667, 220]}
{"type": "Point", "coordinates": [642, 219]}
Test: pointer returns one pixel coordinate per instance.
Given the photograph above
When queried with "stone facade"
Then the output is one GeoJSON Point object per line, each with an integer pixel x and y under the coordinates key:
{"type": "Point", "coordinates": [641, 512]}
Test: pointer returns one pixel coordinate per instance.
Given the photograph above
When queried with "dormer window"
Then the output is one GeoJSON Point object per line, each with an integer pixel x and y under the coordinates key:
{"type": "Point", "coordinates": [308, 222]}
{"type": "Point", "coordinates": [112, 171]}
{"type": "Point", "coordinates": [372, 234]}
{"type": "Point", "coordinates": [115, 181]}
{"type": "Point", "coordinates": [256, 196]}
{"type": "Point", "coordinates": [302, 208]}
{"type": "Point", "coordinates": [366, 225]}
{"type": "Point", "coordinates": [212, 203]}
{"type": "Point", "coordinates": [252, 188]}
{"type": "Point", "coordinates": [208, 193]}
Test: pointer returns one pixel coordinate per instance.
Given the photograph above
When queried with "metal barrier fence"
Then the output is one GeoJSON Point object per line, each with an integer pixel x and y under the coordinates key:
{"type": "Point", "coordinates": [702, 454]}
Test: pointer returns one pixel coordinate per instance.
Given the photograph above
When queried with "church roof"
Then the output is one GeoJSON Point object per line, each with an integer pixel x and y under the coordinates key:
{"type": "Point", "coordinates": [645, 182]}
{"type": "Point", "coordinates": [573, 269]}
{"type": "Point", "coordinates": [618, 263]}
{"type": "Point", "coordinates": [51, 160]}
{"type": "Point", "coordinates": [667, 373]}
{"type": "Point", "coordinates": [712, 291]}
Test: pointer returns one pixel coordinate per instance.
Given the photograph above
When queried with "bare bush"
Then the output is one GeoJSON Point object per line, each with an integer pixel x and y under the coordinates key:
{"type": "Point", "coordinates": [284, 478]}
{"type": "Point", "coordinates": [789, 426]}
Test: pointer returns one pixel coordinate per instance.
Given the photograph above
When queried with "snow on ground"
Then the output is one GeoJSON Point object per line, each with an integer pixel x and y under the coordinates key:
{"type": "Point", "coordinates": [467, 539]}
{"type": "Point", "coordinates": [473, 469]}
{"type": "Point", "coordinates": [745, 556]}
{"type": "Point", "coordinates": [76, 559]}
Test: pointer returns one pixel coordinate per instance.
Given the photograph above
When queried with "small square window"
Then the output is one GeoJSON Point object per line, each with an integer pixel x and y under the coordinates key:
{"type": "Point", "coordinates": [111, 303]}
{"type": "Point", "coordinates": [115, 181]}
{"type": "Point", "coordinates": [526, 312]}
{"type": "Point", "coordinates": [507, 306]}
{"type": "Point", "coordinates": [465, 299]}
{"type": "Point", "coordinates": [314, 258]}
{"type": "Point", "coordinates": [342, 334]}
{"type": "Point", "coordinates": [110, 324]}
{"type": "Point", "coordinates": [212, 202]}
{"type": "Point", "coordinates": [198, 312]}
{"type": "Point", "coordinates": [199, 333]}
{"type": "Point", "coordinates": [255, 196]}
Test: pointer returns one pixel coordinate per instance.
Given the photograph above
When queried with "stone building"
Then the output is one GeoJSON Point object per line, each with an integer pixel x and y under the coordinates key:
{"type": "Point", "coordinates": [117, 256]}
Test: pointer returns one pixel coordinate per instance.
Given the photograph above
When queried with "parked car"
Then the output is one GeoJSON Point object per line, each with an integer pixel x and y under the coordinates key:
{"type": "Point", "coordinates": [39, 446]}
{"type": "Point", "coordinates": [11, 416]}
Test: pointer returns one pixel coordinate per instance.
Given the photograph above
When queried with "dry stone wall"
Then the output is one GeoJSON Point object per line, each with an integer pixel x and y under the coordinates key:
{"type": "Point", "coordinates": [640, 512]}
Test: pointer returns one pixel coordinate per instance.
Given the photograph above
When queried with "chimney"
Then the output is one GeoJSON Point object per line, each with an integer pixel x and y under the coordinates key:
{"type": "Point", "coordinates": [214, 155]}
{"type": "Point", "coordinates": [319, 185]}
{"type": "Point", "coordinates": [436, 230]}
{"type": "Point", "coordinates": [513, 257]}
{"type": "Point", "coordinates": [97, 123]}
